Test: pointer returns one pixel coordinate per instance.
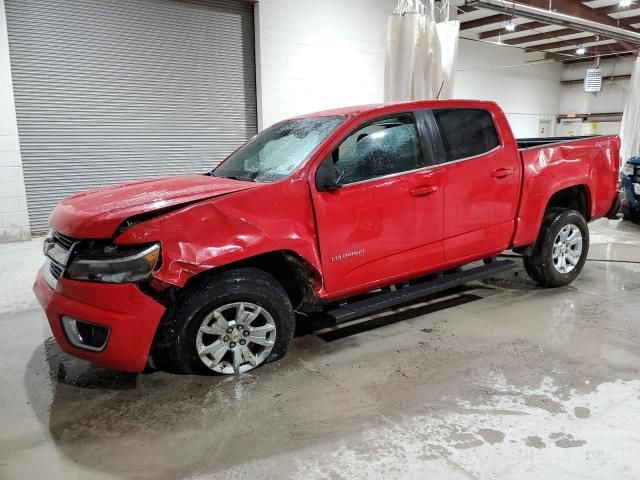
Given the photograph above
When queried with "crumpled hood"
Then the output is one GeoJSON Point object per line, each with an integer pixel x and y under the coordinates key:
{"type": "Point", "coordinates": [98, 213]}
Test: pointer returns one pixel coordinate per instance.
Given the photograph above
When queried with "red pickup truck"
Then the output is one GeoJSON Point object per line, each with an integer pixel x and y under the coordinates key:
{"type": "Point", "coordinates": [208, 271]}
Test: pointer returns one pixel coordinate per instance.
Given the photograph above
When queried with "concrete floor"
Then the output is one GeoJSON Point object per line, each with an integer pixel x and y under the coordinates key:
{"type": "Point", "coordinates": [503, 380]}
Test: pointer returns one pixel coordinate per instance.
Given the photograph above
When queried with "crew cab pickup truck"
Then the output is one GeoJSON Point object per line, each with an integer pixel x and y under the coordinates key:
{"type": "Point", "coordinates": [345, 212]}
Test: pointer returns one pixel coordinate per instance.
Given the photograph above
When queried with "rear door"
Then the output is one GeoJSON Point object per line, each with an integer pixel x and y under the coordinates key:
{"type": "Point", "coordinates": [385, 220]}
{"type": "Point", "coordinates": [481, 183]}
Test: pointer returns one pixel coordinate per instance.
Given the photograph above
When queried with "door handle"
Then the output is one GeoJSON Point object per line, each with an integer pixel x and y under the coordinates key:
{"type": "Point", "coordinates": [502, 172]}
{"type": "Point", "coordinates": [423, 190]}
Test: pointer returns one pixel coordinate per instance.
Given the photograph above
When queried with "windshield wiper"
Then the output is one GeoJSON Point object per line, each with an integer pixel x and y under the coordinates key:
{"type": "Point", "coordinates": [240, 177]}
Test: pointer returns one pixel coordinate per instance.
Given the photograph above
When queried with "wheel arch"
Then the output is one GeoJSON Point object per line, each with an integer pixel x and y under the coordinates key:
{"type": "Point", "coordinates": [576, 197]}
{"type": "Point", "coordinates": [300, 280]}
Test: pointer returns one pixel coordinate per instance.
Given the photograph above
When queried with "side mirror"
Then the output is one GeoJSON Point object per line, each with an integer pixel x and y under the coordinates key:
{"type": "Point", "coordinates": [326, 176]}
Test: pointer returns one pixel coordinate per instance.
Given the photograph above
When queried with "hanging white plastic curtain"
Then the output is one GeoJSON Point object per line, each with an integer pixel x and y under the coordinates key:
{"type": "Point", "coordinates": [448, 33]}
{"type": "Point", "coordinates": [421, 54]}
{"type": "Point", "coordinates": [630, 128]}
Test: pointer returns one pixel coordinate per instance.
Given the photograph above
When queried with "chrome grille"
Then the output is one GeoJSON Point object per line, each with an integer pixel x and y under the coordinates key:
{"type": "Point", "coordinates": [62, 240]}
{"type": "Point", "coordinates": [57, 248]}
{"type": "Point", "coordinates": [55, 269]}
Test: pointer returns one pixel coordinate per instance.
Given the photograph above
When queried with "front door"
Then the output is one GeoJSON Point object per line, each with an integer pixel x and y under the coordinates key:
{"type": "Point", "coordinates": [385, 220]}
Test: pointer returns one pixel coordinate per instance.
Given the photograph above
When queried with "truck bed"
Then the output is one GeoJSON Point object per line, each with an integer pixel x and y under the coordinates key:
{"type": "Point", "coordinates": [539, 142]}
{"type": "Point", "coordinates": [585, 166]}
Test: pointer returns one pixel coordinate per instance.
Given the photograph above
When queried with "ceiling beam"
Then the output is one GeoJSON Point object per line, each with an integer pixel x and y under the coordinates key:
{"type": "Point", "coordinates": [465, 9]}
{"type": "Point", "coordinates": [575, 9]}
{"type": "Point", "coordinates": [481, 22]}
{"type": "Point", "coordinates": [521, 26]}
{"type": "Point", "coordinates": [570, 61]}
{"type": "Point", "coordinates": [609, 49]}
{"type": "Point", "coordinates": [553, 35]}
{"type": "Point", "coordinates": [589, 56]}
{"type": "Point", "coordinates": [627, 22]}
{"type": "Point", "coordinates": [616, 8]}
{"type": "Point", "coordinates": [574, 42]}
{"type": "Point", "coordinates": [564, 44]}
{"type": "Point", "coordinates": [600, 51]}
{"type": "Point", "coordinates": [554, 56]}
{"type": "Point", "coordinates": [630, 46]}
{"type": "Point", "coordinates": [567, 13]}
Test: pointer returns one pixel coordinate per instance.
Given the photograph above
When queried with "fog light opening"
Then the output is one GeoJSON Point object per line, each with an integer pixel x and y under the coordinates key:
{"type": "Point", "coordinates": [86, 335]}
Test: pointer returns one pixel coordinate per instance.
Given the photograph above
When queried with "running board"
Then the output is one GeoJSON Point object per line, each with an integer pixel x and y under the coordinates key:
{"type": "Point", "coordinates": [382, 301]}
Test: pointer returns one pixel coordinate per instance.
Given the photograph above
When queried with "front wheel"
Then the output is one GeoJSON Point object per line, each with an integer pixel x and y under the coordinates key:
{"type": "Point", "coordinates": [560, 250]}
{"type": "Point", "coordinates": [230, 324]}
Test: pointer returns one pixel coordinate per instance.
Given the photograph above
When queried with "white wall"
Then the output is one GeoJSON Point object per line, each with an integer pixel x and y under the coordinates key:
{"type": "Point", "coordinates": [315, 55]}
{"type": "Point", "coordinates": [610, 99]}
{"type": "Point", "coordinates": [573, 98]}
{"type": "Point", "coordinates": [14, 221]}
{"type": "Point", "coordinates": [527, 92]}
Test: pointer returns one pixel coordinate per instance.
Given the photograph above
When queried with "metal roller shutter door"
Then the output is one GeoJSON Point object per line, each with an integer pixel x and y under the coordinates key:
{"type": "Point", "coordinates": [110, 91]}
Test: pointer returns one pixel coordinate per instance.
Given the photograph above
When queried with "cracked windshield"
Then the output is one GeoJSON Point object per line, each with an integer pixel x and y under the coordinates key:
{"type": "Point", "coordinates": [279, 150]}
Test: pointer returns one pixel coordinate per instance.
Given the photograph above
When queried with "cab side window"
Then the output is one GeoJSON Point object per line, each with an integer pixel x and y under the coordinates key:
{"type": "Point", "coordinates": [380, 148]}
{"type": "Point", "coordinates": [466, 132]}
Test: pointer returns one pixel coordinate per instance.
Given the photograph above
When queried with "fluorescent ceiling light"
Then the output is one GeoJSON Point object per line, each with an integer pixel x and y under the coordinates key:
{"type": "Point", "coordinates": [625, 3]}
{"type": "Point", "coordinates": [556, 18]}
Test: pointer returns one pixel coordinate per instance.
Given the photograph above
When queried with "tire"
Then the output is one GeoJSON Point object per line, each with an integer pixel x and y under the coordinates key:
{"type": "Point", "coordinates": [631, 214]}
{"type": "Point", "coordinates": [546, 267]}
{"type": "Point", "coordinates": [233, 294]}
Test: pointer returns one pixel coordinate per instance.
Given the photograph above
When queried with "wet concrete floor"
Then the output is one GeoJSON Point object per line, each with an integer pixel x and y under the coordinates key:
{"type": "Point", "coordinates": [500, 380]}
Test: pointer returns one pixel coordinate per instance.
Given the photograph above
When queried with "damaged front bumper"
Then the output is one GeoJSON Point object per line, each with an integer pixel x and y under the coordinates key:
{"type": "Point", "coordinates": [112, 325]}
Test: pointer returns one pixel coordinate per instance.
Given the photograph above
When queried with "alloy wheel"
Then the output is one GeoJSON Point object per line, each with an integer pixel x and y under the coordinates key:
{"type": "Point", "coordinates": [236, 337]}
{"type": "Point", "coordinates": [567, 249]}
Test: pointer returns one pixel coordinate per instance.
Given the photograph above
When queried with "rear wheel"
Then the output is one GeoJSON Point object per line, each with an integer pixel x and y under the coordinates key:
{"type": "Point", "coordinates": [561, 249]}
{"type": "Point", "coordinates": [230, 324]}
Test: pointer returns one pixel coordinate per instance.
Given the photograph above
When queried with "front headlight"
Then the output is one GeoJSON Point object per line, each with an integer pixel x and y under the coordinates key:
{"type": "Point", "coordinates": [627, 170]}
{"type": "Point", "coordinates": [115, 264]}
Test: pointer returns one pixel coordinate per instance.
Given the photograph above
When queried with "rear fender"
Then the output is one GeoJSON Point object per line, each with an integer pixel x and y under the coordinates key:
{"type": "Point", "coordinates": [535, 201]}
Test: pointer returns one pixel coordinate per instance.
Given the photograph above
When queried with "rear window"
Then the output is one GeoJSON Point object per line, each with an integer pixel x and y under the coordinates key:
{"type": "Point", "coordinates": [466, 132]}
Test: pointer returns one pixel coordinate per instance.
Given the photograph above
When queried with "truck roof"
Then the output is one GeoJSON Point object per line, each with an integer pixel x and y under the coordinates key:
{"type": "Point", "coordinates": [356, 109]}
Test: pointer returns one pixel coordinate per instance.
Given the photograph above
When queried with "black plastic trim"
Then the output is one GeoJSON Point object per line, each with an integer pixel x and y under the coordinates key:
{"type": "Point", "coordinates": [385, 300]}
{"type": "Point", "coordinates": [614, 211]}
